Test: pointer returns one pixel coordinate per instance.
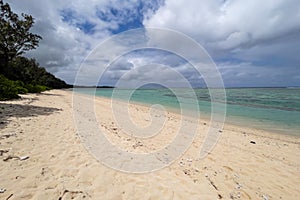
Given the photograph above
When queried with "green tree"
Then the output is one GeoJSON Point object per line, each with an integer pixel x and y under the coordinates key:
{"type": "Point", "coordinates": [15, 35]}
{"type": "Point", "coordinates": [29, 72]}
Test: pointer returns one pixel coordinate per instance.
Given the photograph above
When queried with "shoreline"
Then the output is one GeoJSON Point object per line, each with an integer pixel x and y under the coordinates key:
{"type": "Point", "coordinates": [227, 125]}
{"type": "Point", "coordinates": [245, 164]}
{"type": "Point", "coordinates": [204, 117]}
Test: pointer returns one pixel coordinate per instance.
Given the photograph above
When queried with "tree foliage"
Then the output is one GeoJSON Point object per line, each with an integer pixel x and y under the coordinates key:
{"type": "Point", "coordinates": [29, 72]}
{"type": "Point", "coordinates": [8, 89]}
{"type": "Point", "coordinates": [15, 35]}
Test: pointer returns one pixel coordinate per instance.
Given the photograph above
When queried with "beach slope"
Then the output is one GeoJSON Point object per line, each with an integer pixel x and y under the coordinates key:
{"type": "Point", "coordinates": [42, 157]}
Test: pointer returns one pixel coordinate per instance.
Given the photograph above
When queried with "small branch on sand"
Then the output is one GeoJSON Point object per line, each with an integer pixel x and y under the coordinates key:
{"type": "Point", "coordinates": [3, 152]}
{"type": "Point", "coordinates": [212, 183]}
{"type": "Point", "coordinates": [17, 157]}
{"type": "Point", "coordinates": [72, 192]}
{"type": "Point", "coordinates": [9, 196]}
{"type": "Point", "coordinates": [2, 190]}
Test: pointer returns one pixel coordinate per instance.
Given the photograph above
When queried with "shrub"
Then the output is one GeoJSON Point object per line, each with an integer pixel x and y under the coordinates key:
{"type": "Point", "coordinates": [35, 88]}
{"type": "Point", "coordinates": [20, 87]}
{"type": "Point", "coordinates": [8, 89]}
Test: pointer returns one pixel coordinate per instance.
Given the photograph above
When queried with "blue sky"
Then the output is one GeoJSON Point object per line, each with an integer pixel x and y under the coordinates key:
{"type": "Point", "coordinates": [253, 43]}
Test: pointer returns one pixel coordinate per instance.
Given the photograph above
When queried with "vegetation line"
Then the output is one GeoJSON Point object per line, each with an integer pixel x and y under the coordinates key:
{"type": "Point", "coordinates": [18, 74]}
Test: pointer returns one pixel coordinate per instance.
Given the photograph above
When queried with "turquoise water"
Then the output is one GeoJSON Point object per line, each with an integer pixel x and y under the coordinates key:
{"type": "Point", "coordinates": [272, 109]}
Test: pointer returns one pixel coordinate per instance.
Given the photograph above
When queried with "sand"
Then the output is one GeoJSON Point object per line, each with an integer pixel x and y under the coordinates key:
{"type": "Point", "coordinates": [43, 157]}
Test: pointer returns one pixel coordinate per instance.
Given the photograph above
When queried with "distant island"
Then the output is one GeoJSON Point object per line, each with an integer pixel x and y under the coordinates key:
{"type": "Point", "coordinates": [102, 86]}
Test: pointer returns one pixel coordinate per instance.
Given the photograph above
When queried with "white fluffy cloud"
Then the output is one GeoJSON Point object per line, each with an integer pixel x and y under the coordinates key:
{"type": "Point", "coordinates": [263, 34]}
{"type": "Point", "coordinates": [230, 24]}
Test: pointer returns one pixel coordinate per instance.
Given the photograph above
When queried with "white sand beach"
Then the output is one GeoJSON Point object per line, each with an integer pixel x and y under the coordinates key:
{"type": "Point", "coordinates": [42, 157]}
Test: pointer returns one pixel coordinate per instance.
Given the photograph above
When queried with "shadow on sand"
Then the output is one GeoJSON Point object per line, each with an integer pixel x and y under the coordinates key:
{"type": "Point", "coordinates": [48, 94]}
{"type": "Point", "coordinates": [8, 110]}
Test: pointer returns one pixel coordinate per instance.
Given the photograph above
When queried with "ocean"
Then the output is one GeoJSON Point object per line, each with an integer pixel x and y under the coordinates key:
{"type": "Point", "coordinates": [271, 109]}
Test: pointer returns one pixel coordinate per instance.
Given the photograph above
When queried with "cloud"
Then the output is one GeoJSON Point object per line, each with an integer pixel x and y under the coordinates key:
{"type": "Point", "coordinates": [248, 74]}
{"type": "Point", "coordinates": [229, 24]}
{"type": "Point", "coordinates": [64, 45]}
{"type": "Point", "coordinates": [265, 34]}
{"type": "Point", "coordinates": [151, 66]}
{"type": "Point", "coordinates": [254, 43]}
{"type": "Point", "coordinates": [71, 28]}
{"type": "Point", "coordinates": [141, 65]}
